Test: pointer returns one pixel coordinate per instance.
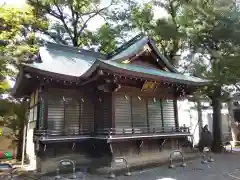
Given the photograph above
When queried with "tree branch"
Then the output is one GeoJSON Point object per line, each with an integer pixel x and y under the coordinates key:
{"type": "Point", "coordinates": [61, 18]}
{"type": "Point", "coordinates": [75, 18]}
{"type": "Point", "coordinates": [55, 38]}
{"type": "Point", "coordinates": [238, 88]}
{"type": "Point", "coordinates": [163, 49]}
{"type": "Point", "coordinates": [92, 16]}
{"type": "Point", "coordinates": [173, 13]}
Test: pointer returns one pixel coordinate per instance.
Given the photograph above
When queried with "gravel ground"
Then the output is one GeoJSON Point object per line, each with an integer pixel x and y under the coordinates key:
{"type": "Point", "coordinates": [225, 167]}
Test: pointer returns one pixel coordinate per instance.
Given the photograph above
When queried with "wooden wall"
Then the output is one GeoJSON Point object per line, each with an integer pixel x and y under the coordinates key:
{"type": "Point", "coordinates": [103, 111]}
{"type": "Point", "coordinates": [139, 110]}
{"type": "Point", "coordinates": [69, 110]}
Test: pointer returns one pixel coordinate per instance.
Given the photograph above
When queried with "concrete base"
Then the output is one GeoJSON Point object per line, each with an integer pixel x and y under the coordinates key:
{"type": "Point", "coordinates": [51, 164]}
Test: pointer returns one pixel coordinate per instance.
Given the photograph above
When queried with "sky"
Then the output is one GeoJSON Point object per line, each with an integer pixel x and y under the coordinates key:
{"type": "Point", "coordinates": [15, 3]}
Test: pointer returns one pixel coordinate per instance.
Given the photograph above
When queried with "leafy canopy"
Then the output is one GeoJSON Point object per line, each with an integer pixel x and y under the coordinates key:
{"type": "Point", "coordinates": [18, 39]}
{"type": "Point", "coordinates": [70, 19]}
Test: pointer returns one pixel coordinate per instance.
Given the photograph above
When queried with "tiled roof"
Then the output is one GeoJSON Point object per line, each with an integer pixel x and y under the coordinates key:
{"type": "Point", "coordinates": [65, 60]}
{"type": "Point", "coordinates": [139, 71]}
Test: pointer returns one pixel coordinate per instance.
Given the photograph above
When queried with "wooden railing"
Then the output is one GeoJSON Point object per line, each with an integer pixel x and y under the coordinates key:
{"type": "Point", "coordinates": [144, 130]}
{"type": "Point", "coordinates": [49, 132]}
{"type": "Point", "coordinates": [113, 131]}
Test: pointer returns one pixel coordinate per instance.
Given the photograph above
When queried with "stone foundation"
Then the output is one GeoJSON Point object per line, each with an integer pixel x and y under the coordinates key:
{"type": "Point", "coordinates": [98, 157]}
{"type": "Point", "coordinates": [137, 147]}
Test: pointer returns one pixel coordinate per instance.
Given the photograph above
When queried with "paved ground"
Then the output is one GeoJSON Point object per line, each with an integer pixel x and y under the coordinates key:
{"type": "Point", "coordinates": [225, 167]}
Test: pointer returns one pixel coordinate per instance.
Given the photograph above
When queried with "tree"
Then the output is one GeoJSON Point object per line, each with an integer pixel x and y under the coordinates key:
{"type": "Point", "coordinates": [215, 37]}
{"type": "Point", "coordinates": [13, 116]}
{"type": "Point", "coordinates": [166, 31]}
{"type": "Point", "coordinates": [19, 32]}
{"type": "Point", "coordinates": [19, 43]}
{"type": "Point", "coordinates": [69, 20]}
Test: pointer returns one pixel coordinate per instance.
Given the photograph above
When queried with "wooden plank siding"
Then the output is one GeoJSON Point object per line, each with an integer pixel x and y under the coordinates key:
{"type": "Point", "coordinates": [142, 111]}
{"type": "Point", "coordinates": [56, 115]}
{"type": "Point", "coordinates": [87, 113]}
{"type": "Point", "coordinates": [123, 112]}
{"type": "Point", "coordinates": [155, 114]}
{"type": "Point", "coordinates": [139, 114]}
{"type": "Point", "coordinates": [103, 111]}
{"type": "Point", "coordinates": [168, 115]}
{"type": "Point", "coordinates": [68, 111]}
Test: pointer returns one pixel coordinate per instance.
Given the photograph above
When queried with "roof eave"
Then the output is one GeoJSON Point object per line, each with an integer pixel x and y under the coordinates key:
{"type": "Point", "coordinates": [112, 68]}
{"type": "Point", "coordinates": [163, 58]}
{"type": "Point", "coordinates": [14, 90]}
{"type": "Point", "coordinates": [50, 74]}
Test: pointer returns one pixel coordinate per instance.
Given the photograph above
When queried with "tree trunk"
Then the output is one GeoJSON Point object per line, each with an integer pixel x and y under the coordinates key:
{"type": "Point", "coordinates": [217, 120]}
{"type": "Point", "coordinates": [20, 142]}
{"type": "Point", "coordinates": [200, 121]}
{"type": "Point", "coordinates": [234, 127]}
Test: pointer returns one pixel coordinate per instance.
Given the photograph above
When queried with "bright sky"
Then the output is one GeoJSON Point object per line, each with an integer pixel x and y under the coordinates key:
{"type": "Point", "coordinates": [15, 3]}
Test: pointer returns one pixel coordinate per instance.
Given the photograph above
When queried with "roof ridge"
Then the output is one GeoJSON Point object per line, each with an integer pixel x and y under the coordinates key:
{"type": "Point", "coordinates": [125, 45]}
{"type": "Point", "coordinates": [77, 50]}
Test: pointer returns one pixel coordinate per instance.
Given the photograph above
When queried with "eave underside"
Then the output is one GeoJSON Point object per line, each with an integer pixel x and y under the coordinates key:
{"type": "Point", "coordinates": [121, 70]}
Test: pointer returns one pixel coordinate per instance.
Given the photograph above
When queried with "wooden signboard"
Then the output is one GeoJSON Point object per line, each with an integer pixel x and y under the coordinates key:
{"type": "Point", "coordinates": [149, 86]}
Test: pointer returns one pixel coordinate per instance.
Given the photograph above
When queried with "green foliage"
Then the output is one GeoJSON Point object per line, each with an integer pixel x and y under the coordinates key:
{"type": "Point", "coordinates": [69, 19]}
{"type": "Point", "coordinates": [4, 86]}
{"type": "Point", "coordinates": [106, 36]}
{"type": "Point", "coordinates": [18, 32]}
{"type": "Point", "coordinates": [12, 115]}
{"type": "Point", "coordinates": [214, 36]}
{"type": "Point", "coordinates": [167, 32]}
{"type": "Point", "coordinates": [18, 28]}
{"type": "Point", "coordinates": [142, 17]}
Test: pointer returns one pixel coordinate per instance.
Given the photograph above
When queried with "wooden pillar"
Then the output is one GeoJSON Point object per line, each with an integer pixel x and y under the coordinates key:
{"type": "Point", "coordinates": [45, 109]}
{"type": "Point", "coordinates": [176, 113]}
{"type": "Point", "coordinates": [161, 105]}
{"type": "Point", "coordinates": [113, 110]}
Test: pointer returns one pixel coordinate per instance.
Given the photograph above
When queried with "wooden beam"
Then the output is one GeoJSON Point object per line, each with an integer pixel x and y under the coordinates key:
{"type": "Point", "coordinates": [176, 113]}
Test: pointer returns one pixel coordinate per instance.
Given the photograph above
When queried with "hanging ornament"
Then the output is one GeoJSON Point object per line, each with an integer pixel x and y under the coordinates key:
{"type": "Point", "coordinates": [139, 98]}
{"type": "Point", "coordinates": [126, 97]}
{"type": "Point", "coordinates": [154, 99]}
{"type": "Point", "coordinates": [63, 98]}
{"type": "Point", "coordinates": [100, 72]}
{"type": "Point", "coordinates": [82, 100]}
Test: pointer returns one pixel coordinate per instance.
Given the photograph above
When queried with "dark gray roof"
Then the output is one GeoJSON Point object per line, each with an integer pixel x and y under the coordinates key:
{"type": "Point", "coordinates": [74, 62]}
{"type": "Point", "coordinates": [135, 46]}
{"type": "Point", "coordinates": [130, 50]}
{"type": "Point", "coordinates": [63, 62]}
{"type": "Point", "coordinates": [142, 72]}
